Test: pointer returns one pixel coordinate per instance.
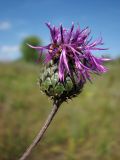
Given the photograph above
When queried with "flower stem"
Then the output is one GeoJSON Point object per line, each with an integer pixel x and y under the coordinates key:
{"type": "Point", "coordinates": [42, 131]}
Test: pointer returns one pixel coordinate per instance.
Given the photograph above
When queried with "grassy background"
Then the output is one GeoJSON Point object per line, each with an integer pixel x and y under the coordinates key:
{"type": "Point", "coordinates": [87, 128]}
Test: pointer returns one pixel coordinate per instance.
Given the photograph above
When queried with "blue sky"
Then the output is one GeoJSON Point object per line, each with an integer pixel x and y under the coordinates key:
{"type": "Point", "coordinates": [19, 19]}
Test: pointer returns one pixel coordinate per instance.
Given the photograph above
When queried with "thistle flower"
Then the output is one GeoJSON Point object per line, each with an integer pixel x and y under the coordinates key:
{"type": "Point", "coordinates": [73, 48]}
{"type": "Point", "coordinates": [71, 52]}
{"type": "Point", "coordinates": [68, 64]}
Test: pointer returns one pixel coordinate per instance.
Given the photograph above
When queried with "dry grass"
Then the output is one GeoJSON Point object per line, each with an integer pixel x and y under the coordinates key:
{"type": "Point", "coordinates": [86, 128]}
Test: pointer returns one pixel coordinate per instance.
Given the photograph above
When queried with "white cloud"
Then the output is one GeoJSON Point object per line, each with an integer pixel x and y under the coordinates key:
{"type": "Point", "coordinates": [7, 49]}
{"type": "Point", "coordinates": [5, 25]}
{"type": "Point", "coordinates": [9, 52]}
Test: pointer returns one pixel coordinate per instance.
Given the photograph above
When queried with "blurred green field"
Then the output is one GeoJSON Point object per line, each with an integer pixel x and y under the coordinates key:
{"type": "Point", "coordinates": [87, 128]}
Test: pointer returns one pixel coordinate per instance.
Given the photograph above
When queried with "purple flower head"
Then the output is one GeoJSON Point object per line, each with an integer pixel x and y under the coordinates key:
{"type": "Point", "coordinates": [72, 50]}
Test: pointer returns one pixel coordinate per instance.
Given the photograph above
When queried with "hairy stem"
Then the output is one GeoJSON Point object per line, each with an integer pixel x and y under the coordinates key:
{"type": "Point", "coordinates": [41, 132]}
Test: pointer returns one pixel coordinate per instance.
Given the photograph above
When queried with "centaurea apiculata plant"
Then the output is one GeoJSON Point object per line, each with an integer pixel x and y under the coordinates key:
{"type": "Point", "coordinates": [69, 63]}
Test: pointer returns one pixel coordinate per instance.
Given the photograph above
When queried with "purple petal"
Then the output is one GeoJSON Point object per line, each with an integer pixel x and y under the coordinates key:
{"type": "Point", "coordinates": [65, 60]}
{"type": "Point", "coordinates": [61, 69]}
{"type": "Point", "coordinates": [69, 35]}
{"type": "Point", "coordinates": [96, 63]}
{"type": "Point", "coordinates": [39, 47]}
{"type": "Point", "coordinates": [104, 59]}
{"type": "Point", "coordinates": [63, 65]}
{"type": "Point", "coordinates": [52, 31]}
{"type": "Point", "coordinates": [61, 31]}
